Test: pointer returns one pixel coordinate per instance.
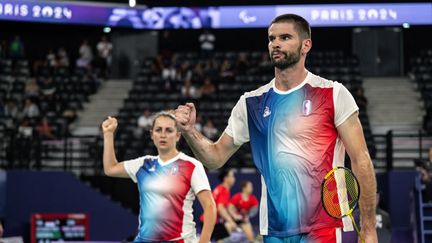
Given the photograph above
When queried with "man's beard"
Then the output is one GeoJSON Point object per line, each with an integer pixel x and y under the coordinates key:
{"type": "Point", "coordinates": [288, 60]}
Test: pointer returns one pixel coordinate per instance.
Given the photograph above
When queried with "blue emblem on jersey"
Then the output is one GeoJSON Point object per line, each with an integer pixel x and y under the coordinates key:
{"type": "Point", "coordinates": [150, 165]}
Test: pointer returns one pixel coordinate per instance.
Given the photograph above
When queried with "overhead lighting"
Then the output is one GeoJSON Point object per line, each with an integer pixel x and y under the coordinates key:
{"type": "Point", "coordinates": [132, 3]}
{"type": "Point", "coordinates": [107, 30]}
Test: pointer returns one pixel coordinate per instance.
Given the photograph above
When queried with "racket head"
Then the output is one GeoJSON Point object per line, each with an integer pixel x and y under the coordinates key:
{"type": "Point", "coordinates": [340, 186]}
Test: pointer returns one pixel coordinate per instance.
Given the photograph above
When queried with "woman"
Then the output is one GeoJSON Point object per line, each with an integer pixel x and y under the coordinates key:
{"type": "Point", "coordinates": [167, 184]}
{"type": "Point", "coordinates": [243, 206]}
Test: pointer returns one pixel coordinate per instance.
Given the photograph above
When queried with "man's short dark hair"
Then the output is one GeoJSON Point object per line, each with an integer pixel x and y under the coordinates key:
{"type": "Point", "coordinates": [300, 24]}
{"type": "Point", "coordinates": [223, 173]}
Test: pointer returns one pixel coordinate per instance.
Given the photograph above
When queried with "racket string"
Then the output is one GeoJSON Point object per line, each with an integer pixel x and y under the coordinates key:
{"type": "Point", "coordinates": [340, 193]}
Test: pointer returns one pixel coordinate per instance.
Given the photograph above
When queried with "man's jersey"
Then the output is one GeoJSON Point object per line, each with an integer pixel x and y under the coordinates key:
{"type": "Point", "coordinates": [167, 191]}
{"type": "Point", "coordinates": [294, 143]}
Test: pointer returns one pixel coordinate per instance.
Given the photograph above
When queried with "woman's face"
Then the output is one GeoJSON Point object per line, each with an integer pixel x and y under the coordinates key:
{"type": "Point", "coordinates": [165, 134]}
{"type": "Point", "coordinates": [248, 188]}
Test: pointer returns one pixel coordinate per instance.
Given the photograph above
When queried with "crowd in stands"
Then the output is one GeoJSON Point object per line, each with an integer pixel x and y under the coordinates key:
{"type": "Point", "coordinates": [41, 99]}
{"type": "Point", "coordinates": [421, 73]}
{"type": "Point", "coordinates": [48, 92]}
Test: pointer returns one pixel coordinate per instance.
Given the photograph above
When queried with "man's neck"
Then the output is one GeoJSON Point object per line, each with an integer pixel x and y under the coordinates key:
{"type": "Point", "coordinates": [290, 78]}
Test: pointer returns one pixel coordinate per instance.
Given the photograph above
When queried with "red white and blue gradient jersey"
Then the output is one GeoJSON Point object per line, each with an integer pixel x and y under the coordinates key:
{"type": "Point", "coordinates": [294, 144]}
{"type": "Point", "coordinates": [167, 191]}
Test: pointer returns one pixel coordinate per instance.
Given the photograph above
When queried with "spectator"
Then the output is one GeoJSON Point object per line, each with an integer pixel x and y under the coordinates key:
{"type": "Point", "coordinates": [25, 129]}
{"type": "Point", "coordinates": [11, 109]}
{"type": "Point", "coordinates": [47, 87]}
{"type": "Point", "coordinates": [190, 91]}
{"type": "Point", "coordinates": [104, 49]}
{"type": "Point", "coordinates": [86, 55]}
{"type": "Point", "coordinates": [16, 48]}
{"type": "Point", "coordinates": [39, 67]}
{"type": "Point", "coordinates": [209, 130]}
{"type": "Point", "coordinates": [145, 122]}
{"type": "Point", "coordinates": [242, 63]}
{"type": "Point", "coordinates": [207, 40]}
{"type": "Point", "coordinates": [198, 72]}
{"type": "Point", "coordinates": [30, 110]}
{"type": "Point", "coordinates": [208, 88]}
{"type": "Point", "coordinates": [32, 88]}
{"type": "Point", "coordinates": [169, 68]}
{"type": "Point", "coordinates": [51, 59]}
{"type": "Point", "coordinates": [225, 223]}
{"type": "Point", "coordinates": [184, 71]}
{"type": "Point", "coordinates": [226, 69]}
{"type": "Point", "coordinates": [360, 99]}
{"type": "Point", "coordinates": [383, 223]}
{"type": "Point", "coordinates": [422, 167]}
{"type": "Point", "coordinates": [242, 207]}
{"type": "Point", "coordinates": [24, 142]}
{"type": "Point", "coordinates": [45, 129]}
{"type": "Point", "coordinates": [212, 69]}
{"type": "Point", "coordinates": [62, 58]}
{"type": "Point", "coordinates": [70, 116]}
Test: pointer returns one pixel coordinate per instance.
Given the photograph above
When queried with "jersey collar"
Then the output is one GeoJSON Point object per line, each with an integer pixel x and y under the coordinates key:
{"type": "Point", "coordinates": [165, 163]}
{"type": "Point", "coordinates": [308, 76]}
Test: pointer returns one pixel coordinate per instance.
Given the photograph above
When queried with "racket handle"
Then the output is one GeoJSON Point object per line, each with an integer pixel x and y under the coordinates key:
{"type": "Point", "coordinates": [356, 228]}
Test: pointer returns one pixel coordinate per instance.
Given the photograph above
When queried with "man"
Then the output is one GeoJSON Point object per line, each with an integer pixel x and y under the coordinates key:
{"type": "Point", "coordinates": [298, 126]}
{"type": "Point", "coordinates": [244, 205]}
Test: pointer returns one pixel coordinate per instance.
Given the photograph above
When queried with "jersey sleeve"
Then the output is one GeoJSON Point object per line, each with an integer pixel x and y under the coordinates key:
{"type": "Point", "coordinates": [199, 179]}
{"type": "Point", "coordinates": [344, 104]}
{"type": "Point", "coordinates": [237, 123]}
{"type": "Point", "coordinates": [132, 166]}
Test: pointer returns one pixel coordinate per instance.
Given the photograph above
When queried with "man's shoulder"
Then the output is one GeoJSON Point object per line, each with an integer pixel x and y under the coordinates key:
{"type": "Point", "coordinates": [321, 82]}
{"type": "Point", "coordinates": [260, 90]}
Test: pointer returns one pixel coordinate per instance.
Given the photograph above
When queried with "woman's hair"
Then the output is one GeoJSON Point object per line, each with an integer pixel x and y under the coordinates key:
{"type": "Point", "coordinates": [167, 113]}
{"type": "Point", "coordinates": [243, 184]}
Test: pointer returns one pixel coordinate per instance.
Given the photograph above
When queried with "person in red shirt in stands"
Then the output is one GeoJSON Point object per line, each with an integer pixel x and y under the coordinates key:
{"type": "Point", "coordinates": [225, 222]}
{"type": "Point", "coordinates": [242, 206]}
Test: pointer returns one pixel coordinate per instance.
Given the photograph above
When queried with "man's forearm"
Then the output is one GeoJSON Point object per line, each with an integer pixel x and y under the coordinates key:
{"type": "Point", "coordinates": [203, 149]}
{"type": "Point", "coordinates": [366, 176]}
